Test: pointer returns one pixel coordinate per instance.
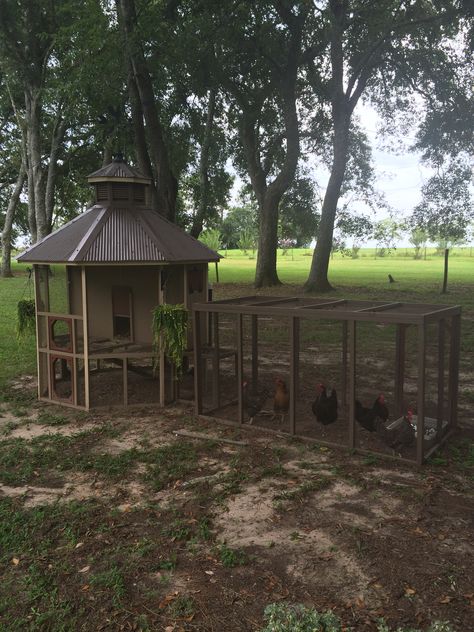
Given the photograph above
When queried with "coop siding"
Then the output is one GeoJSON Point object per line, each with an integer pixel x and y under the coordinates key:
{"type": "Point", "coordinates": [123, 239]}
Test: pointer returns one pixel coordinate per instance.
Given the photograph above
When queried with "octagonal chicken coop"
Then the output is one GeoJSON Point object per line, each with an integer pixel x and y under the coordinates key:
{"type": "Point", "coordinates": [409, 351]}
{"type": "Point", "coordinates": [97, 280]}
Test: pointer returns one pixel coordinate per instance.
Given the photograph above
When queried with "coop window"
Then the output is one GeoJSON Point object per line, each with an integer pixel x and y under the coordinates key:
{"type": "Point", "coordinates": [122, 312]}
{"type": "Point", "coordinates": [120, 191]}
{"type": "Point", "coordinates": [195, 280]}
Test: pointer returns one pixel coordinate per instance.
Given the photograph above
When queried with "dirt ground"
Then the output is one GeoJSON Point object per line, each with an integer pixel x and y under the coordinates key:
{"type": "Point", "coordinates": [111, 521]}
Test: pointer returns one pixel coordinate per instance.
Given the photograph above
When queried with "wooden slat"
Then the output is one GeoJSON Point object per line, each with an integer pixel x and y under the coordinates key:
{"type": "Point", "coordinates": [240, 368]}
{"type": "Point", "coordinates": [197, 363]}
{"type": "Point", "coordinates": [421, 395]}
{"type": "Point", "coordinates": [379, 308]}
{"type": "Point", "coordinates": [38, 362]}
{"type": "Point", "coordinates": [441, 378]}
{"type": "Point", "coordinates": [352, 382]}
{"type": "Point", "coordinates": [254, 325]}
{"type": "Point", "coordinates": [400, 350]}
{"type": "Point", "coordinates": [322, 305]}
{"type": "Point", "coordinates": [344, 365]}
{"type": "Point", "coordinates": [294, 344]}
{"type": "Point", "coordinates": [454, 370]}
{"type": "Point", "coordinates": [216, 362]}
{"type": "Point", "coordinates": [85, 333]}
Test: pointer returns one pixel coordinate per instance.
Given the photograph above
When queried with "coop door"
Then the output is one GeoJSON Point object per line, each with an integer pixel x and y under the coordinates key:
{"type": "Point", "coordinates": [122, 312]}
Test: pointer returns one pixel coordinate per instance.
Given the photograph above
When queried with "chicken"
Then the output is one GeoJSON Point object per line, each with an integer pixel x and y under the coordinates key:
{"type": "Point", "coordinates": [404, 435]}
{"type": "Point", "coordinates": [324, 407]}
{"type": "Point", "coordinates": [281, 400]}
{"type": "Point", "coordinates": [253, 401]}
{"type": "Point", "coordinates": [381, 408]}
{"type": "Point", "coordinates": [368, 417]}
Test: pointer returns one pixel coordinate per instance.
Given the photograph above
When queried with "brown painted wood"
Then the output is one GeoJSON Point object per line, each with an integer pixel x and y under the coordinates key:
{"type": "Point", "coordinates": [216, 371]}
{"type": "Point", "coordinates": [294, 344]}
{"type": "Point", "coordinates": [254, 335]}
{"type": "Point", "coordinates": [352, 383]}
{"type": "Point", "coordinates": [421, 395]}
{"type": "Point", "coordinates": [240, 368]}
{"type": "Point", "coordinates": [125, 381]}
{"type": "Point", "coordinates": [453, 384]}
{"type": "Point", "coordinates": [85, 333]}
{"type": "Point", "coordinates": [197, 362]}
{"type": "Point", "coordinates": [379, 308]}
{"type": "Point", "coordinates": [400, 352]}
{"type": "Point", "coordinates": [344, 365]}
{"type": "Point", "coordinates": [441, 377]}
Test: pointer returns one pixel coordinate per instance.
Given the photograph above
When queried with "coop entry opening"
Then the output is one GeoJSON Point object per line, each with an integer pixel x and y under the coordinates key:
{"type": "Point", "coordinates": [122, 312]}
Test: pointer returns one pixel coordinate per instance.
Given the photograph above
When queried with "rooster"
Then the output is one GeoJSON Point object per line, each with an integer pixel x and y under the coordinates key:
{"type": "Point", "coordinates": [253, 401]}
{"type": "Point", "coordinates": [281, 400]}
{"type": "Point", "coordinates": [324, 407]}
{"type": "Point", "coordinates": [404, 435]}
{"type": "Point", "coordinates": [368, 417]}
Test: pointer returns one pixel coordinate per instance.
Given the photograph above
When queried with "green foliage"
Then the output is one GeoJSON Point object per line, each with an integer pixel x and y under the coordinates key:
{"type": "Point", "coordinates": [231, 557]}
{"type": "Point", "coordinates": [170, 333]}
{"type": "Point", "coordinates": [211, 238]}
{"type": "Point", "coordinates": [282, 617]}
{"type": "Point", "coordinates": [248, 238]}
{"type": "Point", "coordinates": [26, 319]}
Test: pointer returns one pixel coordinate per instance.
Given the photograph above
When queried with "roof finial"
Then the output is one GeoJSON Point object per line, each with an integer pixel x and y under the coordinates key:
{"type": "Point", "coordinates": [119, 157]}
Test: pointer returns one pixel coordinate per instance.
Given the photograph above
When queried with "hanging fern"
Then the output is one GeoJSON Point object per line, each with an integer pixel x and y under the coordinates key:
{"type": "Point", "coordinates": [170, 333]}
{"type": "Point", "coordinates": [26, 318]}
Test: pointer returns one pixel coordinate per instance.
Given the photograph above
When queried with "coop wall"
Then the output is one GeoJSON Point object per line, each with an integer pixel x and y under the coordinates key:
{"type": "Point", "coordinates": [144, 285]}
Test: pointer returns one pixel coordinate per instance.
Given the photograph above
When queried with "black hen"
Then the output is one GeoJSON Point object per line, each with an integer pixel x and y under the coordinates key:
{"type": "Point", "coordinates": [324, 406]}
{"type": "Point", "coordinates": [368, 417]}
{"type": "Point", "coordinates": [381, 408]}
{"type": "Point", "coordinates": [253, 401]}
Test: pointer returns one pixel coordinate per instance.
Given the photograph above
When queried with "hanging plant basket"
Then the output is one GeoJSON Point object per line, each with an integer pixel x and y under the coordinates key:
{"type": "Point", "coordinates": [170, 333]}
{"type": "Point", "coordinates": [26, 320]}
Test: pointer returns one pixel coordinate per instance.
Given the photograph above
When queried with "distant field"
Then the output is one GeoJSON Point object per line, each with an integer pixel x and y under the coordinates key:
{"type": "Point", "coordinates": [293, 267]}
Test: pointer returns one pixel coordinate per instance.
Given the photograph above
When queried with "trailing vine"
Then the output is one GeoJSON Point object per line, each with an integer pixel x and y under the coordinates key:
{"type": "Point", "coordinates": [26, 318]}
{"type": "Point", "coordinates": [170, 333]}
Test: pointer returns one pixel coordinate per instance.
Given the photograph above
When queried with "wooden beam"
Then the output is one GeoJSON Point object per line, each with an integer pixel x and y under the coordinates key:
{"type": "Point", "coordinates": [197, 362]}
{"type": "Point", "coordinates": [38, 361]}
{"type": "Point", "coordinates": [294, 344]}
{"type": "Point", "coordinates": [215, 362]}
{"type": "Point", "coordinates": [420, 421]}
{"type": "Point", "coordinates": [352, 382]}
{"type": "Point", "coordinates": [379, 308]}
{"type": "Point", "coordinates": [441, 379]}
{"type": "Point", "coordinates": [400, 350]}
{"type": "Point", "coordinates": [344, 365]}
{"type": "Point", "coordinates": [453, 384]}
{"type": "Point", "coordinates": [240, 368]}
{"type": "Point", "coordinates": [254, 320]}
{"type": "Point", "coordinates": [85, 333]}
{"type": "Point", "coordinates": [125, 381]}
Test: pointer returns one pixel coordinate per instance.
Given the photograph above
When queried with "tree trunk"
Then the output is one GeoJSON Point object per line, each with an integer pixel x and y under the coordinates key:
{"type": "Point", "coordinates": [167, 183]}
{"type": "Point", "coordinates": [318, 275]}
{"type": "Point", "coordinates": [200, 215]}
{"type": "Point", "coordinates": [56, 140]}
{"type": "Point", "coordinates": [445, 276]}
{"type": "Point", "coordinates": [6, 270]}
{"type": "Point", "coordinates": [141, 150]}
{"type": "Point", "coordinates": [266, 273]}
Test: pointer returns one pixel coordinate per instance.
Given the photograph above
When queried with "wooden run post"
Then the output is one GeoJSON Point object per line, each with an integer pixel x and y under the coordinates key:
{"type": "Point", "coordinates": [352, 382]}
{"type": "Point", "coordinates": [400, 350]}
{"type": "Point", "coordinates": [85, 334]}
{"type": "Point", "coordinates": [441, 363]}
{"type": "Point", "coordinates": [420, 413]}
{"type": "Point", "coordinates": [344, 365]}
{"type": "Point", "coordinates": [240, 369]}
{"type": "Point", "coordinates": [38, 362]}
{"type": "Point", "coordinates": [217, 272]}
{"type": "Point", "coordinates": [215, 361]}
{"type": "Point", "coordinates": [254, 353]}
{"type": "Point", "coordinates": [125, 381]}
{"type": "Point", "coordinates": [454, 370]}
{"type": "Point", "coordinates": [294, 357]}
{"type": "Point", "coordinates": [197, 362]}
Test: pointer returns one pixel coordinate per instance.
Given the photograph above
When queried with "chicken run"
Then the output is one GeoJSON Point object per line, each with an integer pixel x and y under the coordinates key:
{"type": "Point", "coordinates": [379, 378]}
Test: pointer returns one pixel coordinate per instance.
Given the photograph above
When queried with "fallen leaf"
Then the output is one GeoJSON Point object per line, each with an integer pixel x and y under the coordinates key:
{"type": "Point", "coordinates": [326, 556]}
{"type": "Point", "coordinates": [446, 599]}
{"type": "Point", "coordinates": [78, 545]}
{"type": "Point", "coordinates": [209, 572]}
{"type": "Point", "coordinates": [84, 570]}
{"type": "Point", "coordinates": [167, 600]}
{"type": "Point", "coordinates": [15, 561]}
{"type": "Point", "coordinates": [85, 587]}
{"type": "Point", "coordinates": [378, 586]}
{"type": "Point", "coordinates": [410, 591]}
{"type": "Point", "coordinates": [169, 628]}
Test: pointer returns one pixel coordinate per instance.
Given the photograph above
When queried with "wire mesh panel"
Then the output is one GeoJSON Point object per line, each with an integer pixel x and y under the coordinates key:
{"type": "Point", "coordinates": [106, 382]}
{"type": "Point", "coordinates": [143, 382]}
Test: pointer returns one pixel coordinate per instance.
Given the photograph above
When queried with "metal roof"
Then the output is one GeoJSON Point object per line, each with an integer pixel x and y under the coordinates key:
{"type": "Point", "coordinates": [118, 170]}
{"type": "Point", "coordinates": [119, 234]}
{"type": "Point", "coordinates": [327, 308]}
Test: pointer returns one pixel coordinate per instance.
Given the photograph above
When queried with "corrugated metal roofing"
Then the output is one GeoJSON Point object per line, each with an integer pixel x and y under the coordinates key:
{"type": "Point", "coordinates": [118, 235]}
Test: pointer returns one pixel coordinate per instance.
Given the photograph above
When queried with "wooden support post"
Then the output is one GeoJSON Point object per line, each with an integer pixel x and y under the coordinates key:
{"type": "Point", "coordinates": [85, 333]}
{"type": "Point", "coordinates": [454, 370]}
{"type": "Point", "coordinates": [344, 365]}
{"type": "Point", "coordinates": [400, 349]}
{"type": "Point", "coordinates": [38, 361]}
{"type": "Point", "coordinates": [161, 359]}
{"type": "Point", "coordinates": [240, 369]}
{"type": "Point", "coordinates": [294, 346]}
{"type": "Point", "coordinates": [445, 275]}
{"type": "Point", "coordinates": [352, 382]}
{"type": "Point", "coordinates": [125, 381]}
{"type": "Point", "coordinates": [420, 422]}
{"type": "Point", "coordinates": [254, 353]}
{"type": "Point", "coordinates": [197, 362]}
{"type": "Point", "coordinates": [215, 361]}
{"type": "Point", "coordinates": [217, 272]}
{"type": "Point", "coordinates": [441, 380]}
